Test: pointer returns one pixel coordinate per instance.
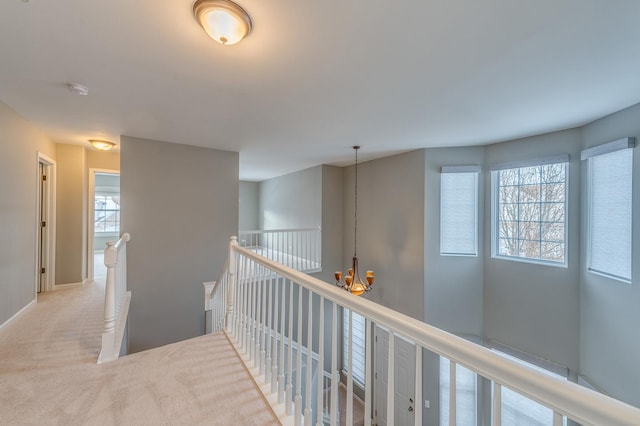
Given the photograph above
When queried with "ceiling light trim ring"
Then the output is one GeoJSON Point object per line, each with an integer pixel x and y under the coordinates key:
{"type": "Point", "coordinates": [101, 144]}
{"type": "Point", "coordinates": [202, 7]}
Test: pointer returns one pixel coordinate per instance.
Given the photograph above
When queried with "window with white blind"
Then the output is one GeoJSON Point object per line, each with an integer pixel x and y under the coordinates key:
{"type": "Point", "coordinates": [459, 211]}
{"type": "Point", "coordinates": [358, 342]}
{"type": "Point", "coordinates": [610, 170]}
{"type": "Point", "coordinates": [529, 211]}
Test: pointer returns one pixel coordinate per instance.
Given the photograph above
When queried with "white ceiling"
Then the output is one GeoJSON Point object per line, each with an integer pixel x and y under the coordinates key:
{"type": "Point", "coordinates": [316, 77]}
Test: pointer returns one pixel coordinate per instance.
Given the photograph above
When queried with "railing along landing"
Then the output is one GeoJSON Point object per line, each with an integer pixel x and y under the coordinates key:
{"type": "Point", "coordinates": [300, 249]}
{"type": "Point", "coordinates": [116, 299]}
{"type": "Point", "coordinates": [268, 310]}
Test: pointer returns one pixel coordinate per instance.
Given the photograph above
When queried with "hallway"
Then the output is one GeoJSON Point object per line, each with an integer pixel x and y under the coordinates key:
{"type": "Point", "coordinates": [48, 373]}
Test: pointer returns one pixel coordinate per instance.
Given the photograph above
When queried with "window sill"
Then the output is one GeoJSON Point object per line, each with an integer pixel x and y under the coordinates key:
{"type": "Point", "coordinates": [531, 261]}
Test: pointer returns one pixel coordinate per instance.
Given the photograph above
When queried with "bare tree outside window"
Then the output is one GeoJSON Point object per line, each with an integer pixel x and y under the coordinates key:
{"type": "Point", "coordinates": [107, 213]}
{"type": "Point", "coordinates": [531, 212]}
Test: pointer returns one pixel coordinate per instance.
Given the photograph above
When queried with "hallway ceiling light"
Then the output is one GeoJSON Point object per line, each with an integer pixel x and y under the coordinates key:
{"type": "Point", "coordinates": [101, 145]}
{"type": "Point", "coordinates": [224, 21]}
{"type": "Point", "coordinates": [352, 281]}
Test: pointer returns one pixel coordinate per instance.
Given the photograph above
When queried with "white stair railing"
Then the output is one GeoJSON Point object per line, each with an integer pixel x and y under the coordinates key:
{"type": "Point", "coordinates": [263, 299]}
{"type": "Point", "coordinates": [116, 299]}
{"type": "Point", "coordinates": [300, 249]}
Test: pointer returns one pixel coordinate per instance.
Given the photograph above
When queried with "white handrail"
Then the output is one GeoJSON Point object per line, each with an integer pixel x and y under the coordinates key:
{"type": "Point", "coordinates": [564, 398]}
{"type": "Point", "coordinates": [116, 299]}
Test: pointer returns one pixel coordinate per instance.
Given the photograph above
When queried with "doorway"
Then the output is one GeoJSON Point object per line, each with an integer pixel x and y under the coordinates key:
{"type": "Point", "coordinates": [404, 375]}
{"type": "Point", "coordinates": [104, 218]}
{"type": "Point", "coordinates": [45, 224]}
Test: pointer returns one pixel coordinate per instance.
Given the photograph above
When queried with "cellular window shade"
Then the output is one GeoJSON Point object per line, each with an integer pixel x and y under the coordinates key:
{"type": "Point", "coordinates": [610, 179]}
{"type": "Point", "coordinates": [358, 343]}
{"type": "Point", "coordinates": [459, 213]}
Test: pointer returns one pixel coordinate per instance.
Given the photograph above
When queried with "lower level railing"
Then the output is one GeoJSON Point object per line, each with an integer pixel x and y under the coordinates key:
{"type": "Point", "coordinates": [116, 299]}
{"type": "Point", "coordinates": [268, 310]}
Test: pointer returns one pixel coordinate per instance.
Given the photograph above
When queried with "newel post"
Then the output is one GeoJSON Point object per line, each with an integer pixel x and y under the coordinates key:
{"type": "Point", "coordinates": [108, 332]}
{"type": "Point", "coordinates": [232, 281]}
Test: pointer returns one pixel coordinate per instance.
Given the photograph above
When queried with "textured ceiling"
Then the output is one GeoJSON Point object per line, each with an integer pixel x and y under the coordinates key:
{"type": "Point", "coordinates": [316, 77]}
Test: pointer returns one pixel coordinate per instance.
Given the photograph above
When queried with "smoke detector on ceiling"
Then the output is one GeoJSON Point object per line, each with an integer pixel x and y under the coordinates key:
{"type": "Point", "coordinates": [78, 89]}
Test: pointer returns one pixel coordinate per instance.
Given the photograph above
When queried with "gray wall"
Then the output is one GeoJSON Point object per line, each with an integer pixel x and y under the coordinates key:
{"type": "Point", "coordinates": [453, 284]}
{"type": "Point", "coordinates": [18, 174]}
{"type": "Point", "coordinates": [390, 229]}
{"type": "Point", "coordinates": [180, 205]}
{"type": "Point", "coordinates": [248, 205]}
{"type": "Point", "coordinates": [292, 201]}
{"type": "Point", "coordinates": [71, 214]}
{"type": "Point", "coordinates": [610, 310]}
{"type": "Point", "coordinates": [535, 308]}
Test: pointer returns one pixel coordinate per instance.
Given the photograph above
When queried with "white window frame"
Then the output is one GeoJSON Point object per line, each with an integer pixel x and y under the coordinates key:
{"type": "Point", "coordinates": [495, 228]}
{"type": "Point", "coordinates": [464, 170]}
{"type": "Point", "coordinates": [588, 155]}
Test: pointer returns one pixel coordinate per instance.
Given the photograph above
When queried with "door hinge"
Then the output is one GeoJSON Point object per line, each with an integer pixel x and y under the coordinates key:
{"type": "Point", "coordinates": [42, 270]}
{"type": "Point", "coordinates": [44, 177]}
{"type": "Point", "coordinates": [44, 224]}
{"type": "Point", "coordinates": [376, 375]}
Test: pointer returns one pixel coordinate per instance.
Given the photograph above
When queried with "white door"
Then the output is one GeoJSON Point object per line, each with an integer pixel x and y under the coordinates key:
{"type": "Point", "coordinates": [404, 374]}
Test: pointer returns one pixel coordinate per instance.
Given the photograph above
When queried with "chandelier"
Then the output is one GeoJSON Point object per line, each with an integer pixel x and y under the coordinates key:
{"type": "Point", "coordinates": [352, 281]}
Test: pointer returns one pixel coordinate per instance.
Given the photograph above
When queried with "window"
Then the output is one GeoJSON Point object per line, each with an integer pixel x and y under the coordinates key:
{"type": "Point", "coordinates": [358, 341]}
{"type": "Point", "coordinates": [529, 211]}
{"type": "Point", "coordinates": [466, 394]}
{"type": "Point", "coordinates": [459, 211]}
{"type": "Point", "coordinates": [107, 212]}
{"type": "Point", "coordinates": [609, 213]}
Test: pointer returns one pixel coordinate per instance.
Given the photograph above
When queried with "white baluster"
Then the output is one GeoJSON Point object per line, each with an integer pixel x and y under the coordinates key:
{"type": "Point", "coordinates": [298, 400]}
{"type": "Point", "coordinates": [335, 375]}
{"type": "Point", "coordinates": [263, 334]}
{"type": "Point", "coordinates": [270, 331]}
{"type": "Point", "coordinates": [557, 419]}
{"type": "Point", "coordinates": [349, 350]}
{"type": "Point", "coordinates": [274, 337]}
{"type": "Point", "coordinates": [307, 409]}
{"type": "Point", "coordinates": [251, 344]}
{"type": "Point", "coordinates": [417, 404]}
{"type": "Point", "coordinates": [497, 404]}
{"type": "Point", "coordinates": [452, 393]}
{"type": "Point", "coordinates": [320, 369]}
{"type": "Point", "coordinates": [290, 354]}
{"type": "Point", "coordinates": [258, 326]}
{"type": "Point", "coordinates": [281, 353]}
{"type": "Point", "coordinates": [368, 368]}
{"type": "Point", "coordinates": [391, 381]}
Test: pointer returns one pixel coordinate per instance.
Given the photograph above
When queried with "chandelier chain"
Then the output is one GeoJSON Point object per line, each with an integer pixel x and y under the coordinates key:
{"type": "Point", "coordinates": [355, 214]}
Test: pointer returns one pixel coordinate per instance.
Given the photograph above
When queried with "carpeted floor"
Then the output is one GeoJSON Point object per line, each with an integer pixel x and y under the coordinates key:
{"type": "Point", "coordinates": [48, 374]}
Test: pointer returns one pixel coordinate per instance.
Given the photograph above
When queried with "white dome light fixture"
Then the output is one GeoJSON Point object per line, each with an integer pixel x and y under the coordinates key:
{"type": "Point", "coordinates": [101, 145]}
{"type": "Point", "coordinates": [224, 21]}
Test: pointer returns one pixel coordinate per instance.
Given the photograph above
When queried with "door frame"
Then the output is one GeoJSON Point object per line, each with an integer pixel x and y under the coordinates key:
{"type": "Point", "coordinates": [91, 215]}
{"type": "Point", "coordinates": [49, 246]}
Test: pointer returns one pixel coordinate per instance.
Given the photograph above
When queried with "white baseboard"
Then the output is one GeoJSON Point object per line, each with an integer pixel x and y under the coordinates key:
{"type": "Point", "coordinates": [33, 302]}
{"type": "Point", "coordinates": [67, 285]}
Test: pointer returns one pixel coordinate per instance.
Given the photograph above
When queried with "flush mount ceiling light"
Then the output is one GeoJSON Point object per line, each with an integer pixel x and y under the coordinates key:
{"type": "Point", "coordinates": [101, 145]}
{"type": "Point", "coordinates": [224, 21]}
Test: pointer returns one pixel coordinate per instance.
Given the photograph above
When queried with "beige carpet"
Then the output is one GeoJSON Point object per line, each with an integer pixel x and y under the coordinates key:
{"type": "Point", "coordinates": [48, 374]}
